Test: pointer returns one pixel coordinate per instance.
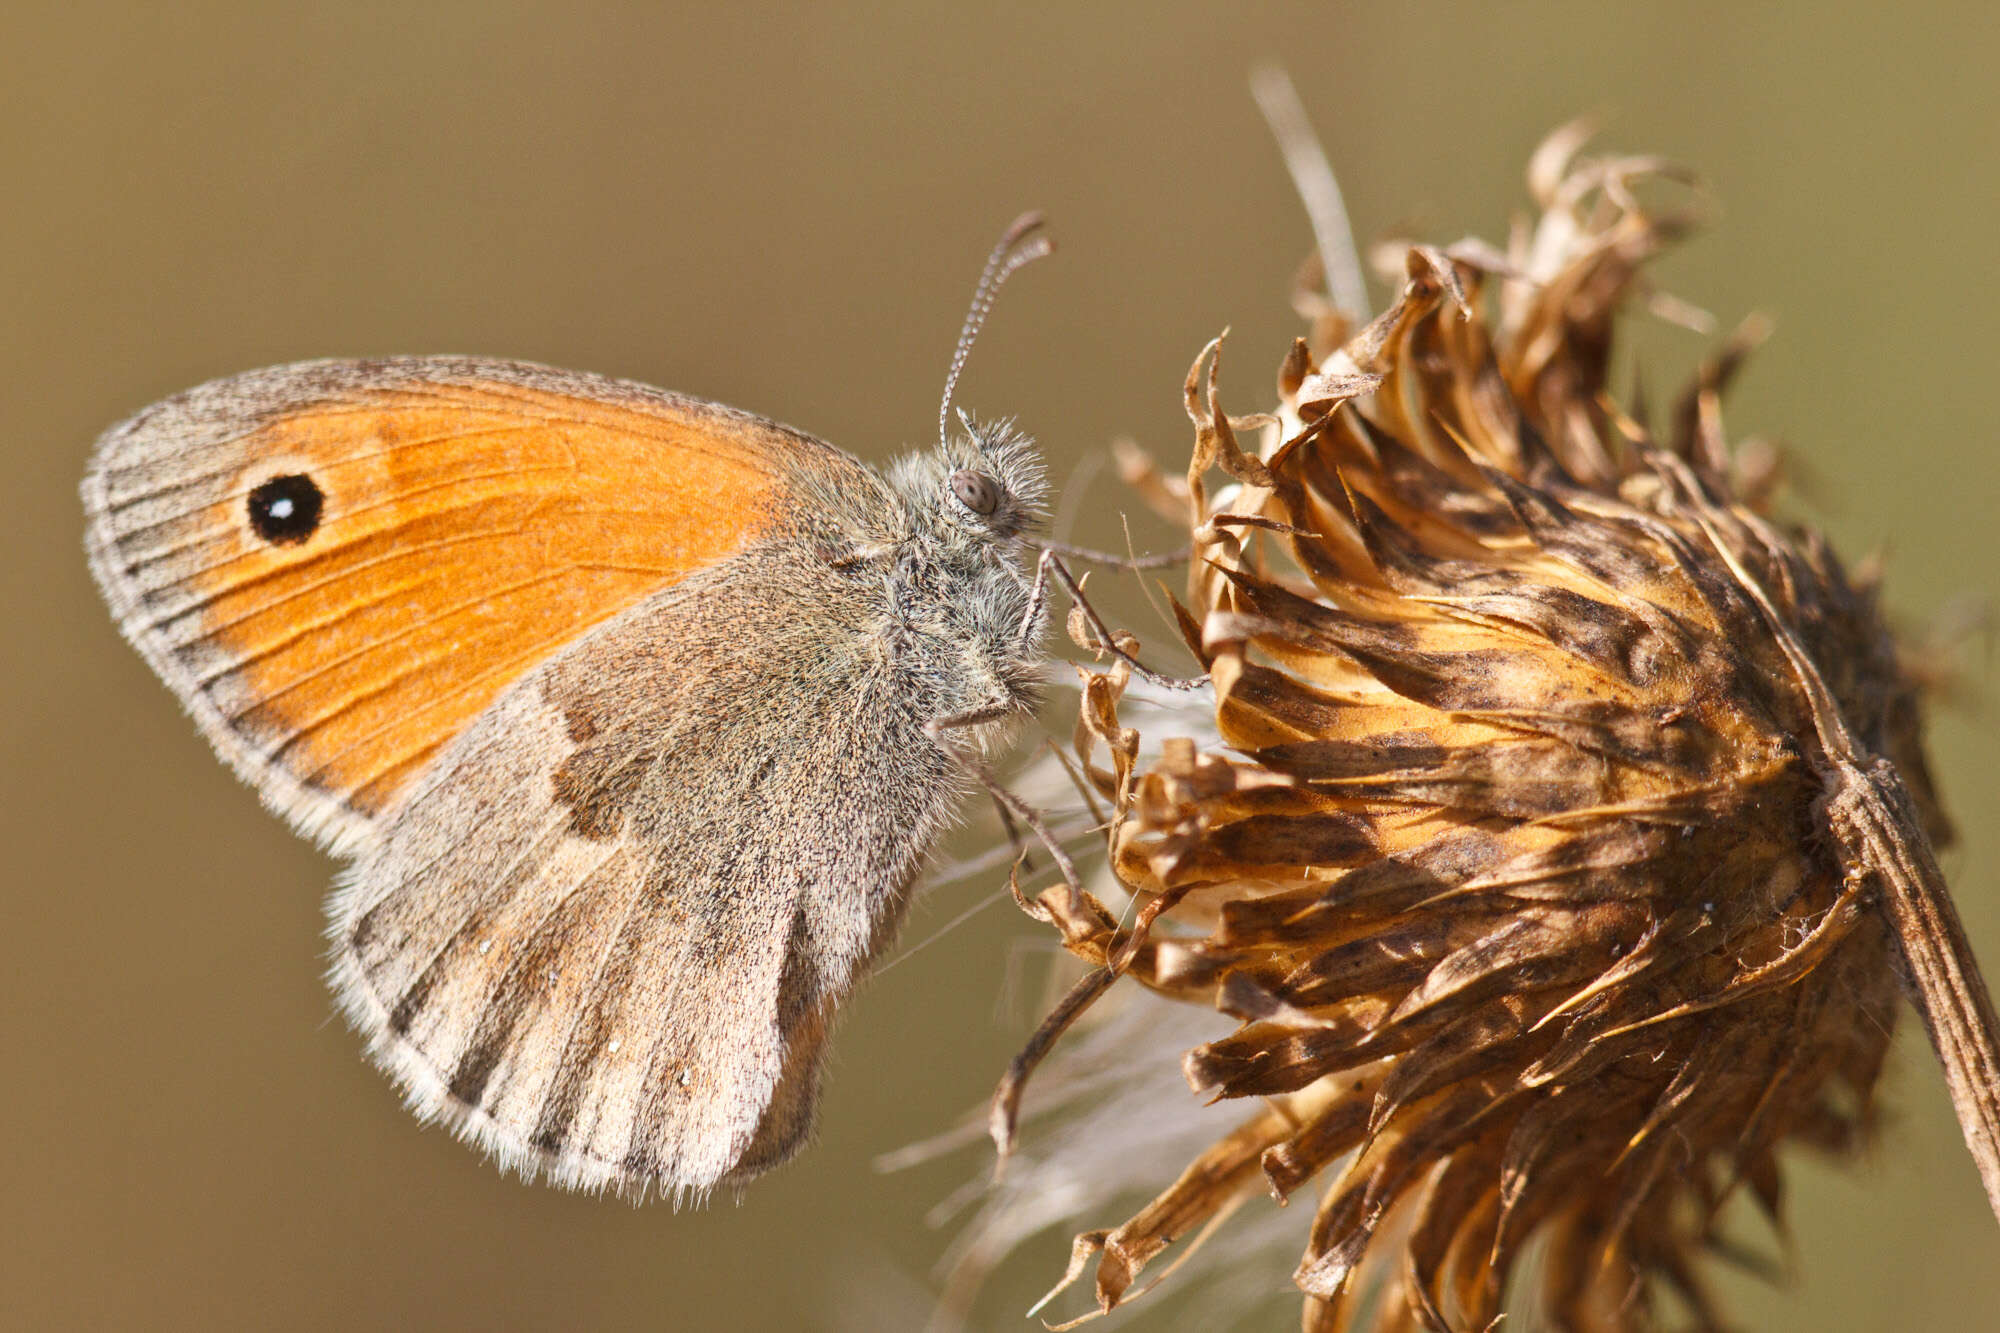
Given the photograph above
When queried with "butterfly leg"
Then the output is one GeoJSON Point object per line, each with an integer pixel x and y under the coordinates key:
{"type": "Point", "coordinates": [1005, 1113]}
{"type": "Point", "coordinates": [1005, 799]}
{"type": "Point", "coordinates": [1127, 562]}
{"type": "Point", "coordinates": [1050, 562]}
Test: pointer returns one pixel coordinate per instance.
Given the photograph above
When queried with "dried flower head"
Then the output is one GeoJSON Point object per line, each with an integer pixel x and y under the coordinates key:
{"type": "Point", "coordinates": [1559, 853]}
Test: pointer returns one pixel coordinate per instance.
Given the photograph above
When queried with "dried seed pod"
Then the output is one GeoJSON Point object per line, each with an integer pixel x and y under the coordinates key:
{"type": "Point", "coordinates": [1573, 820]}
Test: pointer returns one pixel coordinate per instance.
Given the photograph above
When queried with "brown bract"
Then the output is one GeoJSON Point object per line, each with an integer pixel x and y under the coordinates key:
{"type": "Point", "coordinates": [1537, 868]}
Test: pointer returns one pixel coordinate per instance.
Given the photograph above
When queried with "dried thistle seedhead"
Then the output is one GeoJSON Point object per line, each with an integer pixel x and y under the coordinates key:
{"type": "Point", "coordinates": [1543, 869]}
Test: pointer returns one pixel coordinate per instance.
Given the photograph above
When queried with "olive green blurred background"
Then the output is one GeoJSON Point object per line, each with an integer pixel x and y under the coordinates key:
{"type": "Point", "coordinates": [784, 209]}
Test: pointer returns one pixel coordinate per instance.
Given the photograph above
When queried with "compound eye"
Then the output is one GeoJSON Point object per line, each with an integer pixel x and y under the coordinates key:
{"type": "Point", "coordinates": [976, 491]}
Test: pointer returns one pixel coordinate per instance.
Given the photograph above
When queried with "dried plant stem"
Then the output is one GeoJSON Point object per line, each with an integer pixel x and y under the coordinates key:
{"type": "Point", "coordinates": [1318, 187]}
{"type": "Point", "coordinates": [1883, 840]}
{"type": "Point", "coordinates": [1943, 976]}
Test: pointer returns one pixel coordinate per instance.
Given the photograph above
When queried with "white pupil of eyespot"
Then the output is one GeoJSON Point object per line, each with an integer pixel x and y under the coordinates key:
{"type": "Point", "coordinates": [281, 509]}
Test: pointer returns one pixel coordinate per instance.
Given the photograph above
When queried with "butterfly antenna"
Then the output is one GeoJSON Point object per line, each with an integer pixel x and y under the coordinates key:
{"type": "Point", "coordinates": [1018, 247]}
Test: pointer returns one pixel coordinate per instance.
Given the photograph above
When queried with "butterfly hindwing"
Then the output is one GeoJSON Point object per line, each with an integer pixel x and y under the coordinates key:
{"type": "Point", "coordinates": [604, 936]}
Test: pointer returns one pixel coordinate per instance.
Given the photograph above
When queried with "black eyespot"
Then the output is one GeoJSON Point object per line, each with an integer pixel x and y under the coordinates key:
{"type": "Point", "coordinates": [976, 491]}
{"type": "Point", "coordinates": [285, 510]}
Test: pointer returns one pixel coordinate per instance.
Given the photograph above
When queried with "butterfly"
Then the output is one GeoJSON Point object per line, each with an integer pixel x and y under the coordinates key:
{"type": "Point", "coordinates": [635, 716]}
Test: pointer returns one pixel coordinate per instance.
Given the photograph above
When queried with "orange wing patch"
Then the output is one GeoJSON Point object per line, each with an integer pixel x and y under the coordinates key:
{"type": "Point", "coordinates": [347, 578]}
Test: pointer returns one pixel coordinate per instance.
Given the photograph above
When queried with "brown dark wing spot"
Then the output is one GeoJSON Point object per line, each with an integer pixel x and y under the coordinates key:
{"type": "Point", "coordinates": [581, 723]}
{"type": "Point", "coordinates": [285, 511]}
{"type": "Point", "coordinates": [597, 784]}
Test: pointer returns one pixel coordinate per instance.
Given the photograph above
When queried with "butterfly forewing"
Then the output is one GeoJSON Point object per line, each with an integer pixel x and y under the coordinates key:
{"type": "Point", "coordinates": [339, 564]}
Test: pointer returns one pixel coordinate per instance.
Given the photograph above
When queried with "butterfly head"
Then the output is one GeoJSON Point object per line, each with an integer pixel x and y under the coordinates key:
{"type": "Point", "coordinates": [983, 486]}
{"type": "Point", "coordinates": [966, 622]}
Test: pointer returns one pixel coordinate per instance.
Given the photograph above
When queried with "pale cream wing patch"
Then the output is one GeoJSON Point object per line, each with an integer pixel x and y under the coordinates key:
{"type": "Point", "coordinates": [604, 936]}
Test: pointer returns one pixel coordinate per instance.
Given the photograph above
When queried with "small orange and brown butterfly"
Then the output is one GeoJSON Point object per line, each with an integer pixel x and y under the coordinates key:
{"type": "Point", "coordinates": [637, 715]}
